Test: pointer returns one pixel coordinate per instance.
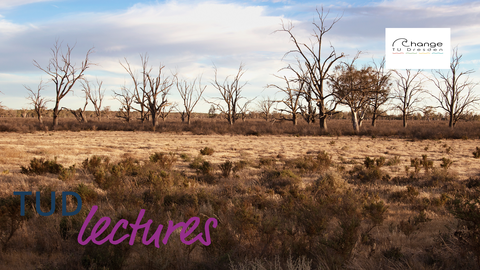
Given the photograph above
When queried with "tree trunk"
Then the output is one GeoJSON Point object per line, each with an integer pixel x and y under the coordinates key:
{"type": "Point", "coordinates": [404, 118]}
{"type": "Point", "coordinates": [294, 119]}
{"type": "Point", "coordinates": [323, 123]}
{"type": "Point", "coordinates": [55, 114]}
{"type": "Point", "coordinates": [356, 126]}
{"type": "Point", "coordinates": [451, 124]}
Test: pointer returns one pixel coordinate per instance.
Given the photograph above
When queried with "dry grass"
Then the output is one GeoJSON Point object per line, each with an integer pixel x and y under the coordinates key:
{"type": "Point", "coordinates": [270, 207]}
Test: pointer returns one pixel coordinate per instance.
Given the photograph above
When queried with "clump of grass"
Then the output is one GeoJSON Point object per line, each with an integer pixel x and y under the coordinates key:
{"type": "Point", "coordinates": [476, 153]}
{"type": "Point", "coordinates": [279, 181]}
{"type": "Point", "coordinates": [207, 151]}
{"type": "Point", "coordinates": [87, 193]}
{"type": "Point", "coordinates": [42, 166]}
{"type": "Point", "coordinates": [67, 174]}
{"type": "Point", "coordinates": [197, 162]}
{"type": "Point", "coordinates": [446, 163]}
{"type": "Point", "coordinates": [407, 196]}
{"type": "Point", "coordinates": [267, 161]}
{"type": "Point", "coordinates": [164, 160]}
{"type": "Point", "coordinates": [226, 168]}
{"type": "Point", "coordinates": [308, 163]}
{"type": "Point", "coordinates": [393, 161]}
{"type": "Point", "coordinates": [185, 157]}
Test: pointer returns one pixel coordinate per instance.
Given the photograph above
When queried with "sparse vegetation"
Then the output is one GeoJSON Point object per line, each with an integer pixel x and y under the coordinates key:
{"type": "Point", "coordinates": [288, 210]}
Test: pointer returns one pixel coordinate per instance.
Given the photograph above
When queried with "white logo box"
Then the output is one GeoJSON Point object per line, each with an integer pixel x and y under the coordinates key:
{"type": "Point", "coordinates": [417, 48]}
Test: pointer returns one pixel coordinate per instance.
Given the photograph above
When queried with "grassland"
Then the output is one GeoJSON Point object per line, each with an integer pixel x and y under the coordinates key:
{"type": "Point", "coordinates": [314, 202]}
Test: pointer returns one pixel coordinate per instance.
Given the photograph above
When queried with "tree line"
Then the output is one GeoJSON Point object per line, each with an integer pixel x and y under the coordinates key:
{"type": "Point", "coordinates": [317, 86]}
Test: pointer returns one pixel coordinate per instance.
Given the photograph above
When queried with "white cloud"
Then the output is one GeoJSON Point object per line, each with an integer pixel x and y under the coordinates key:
{"type": "Point", "coordinates": [13, 3]}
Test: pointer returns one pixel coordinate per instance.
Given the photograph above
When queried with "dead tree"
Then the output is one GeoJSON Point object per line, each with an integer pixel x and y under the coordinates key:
{"type": "Point", "coordinates": [126, 101]}
{"type": "Point", "coordinates": [155, 89]}
{"type": "Point", "coordinates": [95, 94]}
{"type": "Point", "coordinates": [39, 103]}
{"type": "Point", "coordinates": [64, 73]}
{"type": "Point", "coordinates": [291, 99]}
{"type": "Point", "coordinates": [138, 96]}
{"type": "Point", "coordinates": [166, 110]}
{"type": "Point", "coordinates": [315, 66]}
{"type": "Point", "coordinates": [407, 92]}
{"type": "Point", "coordinates": [456, 94]}
{"type": "Point", "coordinates": [231, 93]}
{"type": "Point", "coordinates": [191, 94]}
{"type": "Point", "coordinates": [151, 92]}
{"type": "Point", "coordinates": [79, 114]}
{"type": "Point", "coordinates": [380, 90]}
{"type": "Point", "coordinates": [265, 106]}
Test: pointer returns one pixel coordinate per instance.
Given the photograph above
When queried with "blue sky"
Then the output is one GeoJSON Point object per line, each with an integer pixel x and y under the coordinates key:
{"type": "Point", "coordinates": [190, 36]}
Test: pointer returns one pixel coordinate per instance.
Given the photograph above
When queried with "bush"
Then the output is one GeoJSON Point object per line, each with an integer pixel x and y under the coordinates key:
{"type": "Point", "coordinates": [226, 168]}
{"type": "Point", "coordinates": [476, 153]}
{"type": "Point", "coordinates": [468, 211]}
{"type": "Point", "coordinates": [164, 160]}
{"type": "Point", "coordinates": [207, 151]}
{"type": "Point", "coordinates": [67, 174]}
{"type": "Point", "coordinates": [42, 166]}
{"type": "Point", "coordinates": [279, 181]}
{"type": "Point", "coordinates": [10, 218]}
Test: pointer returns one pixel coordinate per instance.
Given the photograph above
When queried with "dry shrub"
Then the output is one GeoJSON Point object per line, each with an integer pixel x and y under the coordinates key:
{"type": "Point", "coordinates": [42, 166]}
{"type": "Point", "coordinates": [207, 151]}
{"type": "Point", "coordinates": [164, 160]}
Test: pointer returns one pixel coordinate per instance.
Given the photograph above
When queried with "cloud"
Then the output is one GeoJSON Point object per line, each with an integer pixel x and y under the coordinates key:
{"type": "Point", "coordinates": [13, 3]}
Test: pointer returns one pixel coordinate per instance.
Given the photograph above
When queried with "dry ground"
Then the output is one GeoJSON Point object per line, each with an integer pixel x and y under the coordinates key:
{"type": "Point", "coordinates": [74, 147]}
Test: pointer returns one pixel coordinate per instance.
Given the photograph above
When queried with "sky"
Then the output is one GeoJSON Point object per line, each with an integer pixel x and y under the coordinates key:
{"type": "Point", "coordinates": [191, 37]}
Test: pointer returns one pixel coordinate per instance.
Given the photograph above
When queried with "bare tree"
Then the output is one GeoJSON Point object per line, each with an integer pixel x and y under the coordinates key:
{"type": "Point", "coordinates": [64, 73]}
{"type": "Point", "coordinates": [39, 103]}
{"type": "Point", "coordinates": [456, 94]}
{"type": "Point", "coordinates": [316, 68]}
{"type": "Point", "coordinates": [138, 96]}
{"type": "Point", "coordinates": [191, 94]}
{"type": "Point", "coordinates": [166, 110]}
{"type": "Point", "coordinates": [244, 110]}
{"type": "Point", "coordinates": [265, 105]}
{"type": "Point", "coordinates": [231, 93]}
{"type": "Point", "coordinates": [291, 100]}
{"type": "Point", "coordinates": [126, 101]}
{"type": "Point", "coordinates": [151, 93]}
{"type": "Point", "coordinates": [408, 90]}
{"type": "Point", "coordinates": [380, 90]}
{"type": "Point", "coordinates": [353, 88]}
{"type": "Point", "coordinates": [95, 95]}
{"type": "Point", "coordinates": [80, 114]}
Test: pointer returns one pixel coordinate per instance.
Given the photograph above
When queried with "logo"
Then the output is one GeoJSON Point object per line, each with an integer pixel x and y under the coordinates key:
{"type": "Point", "coordinates": [417, 48]}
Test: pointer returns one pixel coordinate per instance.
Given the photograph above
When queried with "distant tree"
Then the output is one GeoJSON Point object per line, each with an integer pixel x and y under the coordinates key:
{"type": "Point", "coordinates": [380, 90]}
{"type": "Point", "coordinates": [125, 97]}
{"type": "Point", "coordinates": [64, 73]}
{"type": "Point", "coordinates": [190, 93]}
{"type": "Point", "coordinates": [456, 94]}
{"type": "Point", "coordinates": [39, 103]}
{"type": "Point", "coordinates": [291, 100]}
{"type": "Point", "coordinates": [266, 105]}
{"type": "Point", "coordinates": [244, 110]}
{"type": "Point", "coordinates": [95, 94]}
{"type": "Point", "coordinates": [407, 92]}
{"type": "Point", "coordinates": [80, 114]}
{"type": "Point", "coordinates": [316, 67]}
{"type": "Point", "coordinates": [212, 111]}
{"type": "Point", "coordinates": [151, 93]}
{"type": "Point", "coordinates": [166, 110]}
{"type": "Point", "coordinates": [231, 94]}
